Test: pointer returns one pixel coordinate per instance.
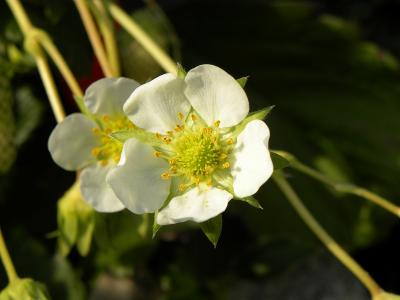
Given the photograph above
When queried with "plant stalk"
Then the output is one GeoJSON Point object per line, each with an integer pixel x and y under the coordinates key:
{"type": "Point", "coordinates": [129, 24]}
{"type": "Point", "coordinates": [7, 262]}
{"type": "Point", "coordinates": [324, 237]}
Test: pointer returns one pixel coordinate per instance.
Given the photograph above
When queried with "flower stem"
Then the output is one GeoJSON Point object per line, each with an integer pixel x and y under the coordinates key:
{"type": "Point", "coordinates": [32, 46]}
{"type": "Point", "coordinates": [62, 66]}
{"type": "Point", "coordinates": [129, 24]}
{"type": "Point", "coordinates": [324, 237]}
{"type": "Point", "coordinates": [107, 30]}
{"type": "Point", "coordinates": [340, 186]}
{"type": "Point", "coordinates": [6, 259]}
{"type": "Point", "coordinates": [94, 37]}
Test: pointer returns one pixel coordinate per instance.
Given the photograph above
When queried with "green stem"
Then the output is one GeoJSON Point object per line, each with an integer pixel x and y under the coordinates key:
{"type": "Point", "coordinates": [324, 237]}
{"type": "Point", "coordinates": [340, 186]}
{"type": "Point", "coordinates": [107, 30]}
{"type": "Point", "coordinates": [34, 49]}
{"type": "Point", "coordinates": [94, 37]}
{"type": "Point", "coordinates": [129, 24]}
{"type": "Point", "coordinates": [59, 61]}
{"type": "Point", "coordinates": [7, 262]}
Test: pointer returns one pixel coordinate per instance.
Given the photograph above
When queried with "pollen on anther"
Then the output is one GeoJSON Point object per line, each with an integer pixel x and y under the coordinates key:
{"type": "Point", "coordinates": [182, 187]}
{"type": "Point", "coordinates": [172, 161]}
{"type": "Point", "coordinates": [95, 151]}
{"type": "Point", "coordinates": [194, 117]}
{"type": "Point", "coordinates": [165, 175]}
{"type": "Point", "coordinates": [157, 153]}
{"type": "Point", "coordinates": [226, 165]}
{"type": "Point", "coordinates": [181, 116]}
{"type": "Point", "coordinates": [173, 169]}
{"type": "Point", "coordinates": [158, 135]}
{"type": "Point", "coordinates": [229, 141]}
{"type": "Point", "coordinates": [223, 156]}
{"type": "Point", "coordinates": [217, 123]}
{"type": "Point", "coordinates": [166, 139]}
{"type": "Point", "coordinates": [96, 130]}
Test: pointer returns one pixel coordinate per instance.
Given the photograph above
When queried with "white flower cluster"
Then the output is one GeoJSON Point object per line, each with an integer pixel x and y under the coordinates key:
{"type": "Point", "coordinates": [199, 151]}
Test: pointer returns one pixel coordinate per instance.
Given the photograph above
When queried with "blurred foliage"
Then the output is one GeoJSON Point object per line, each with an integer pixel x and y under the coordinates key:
{"type": "Point", "coordinates": [336, 93]}
{"type": "Point", "coordinates": [76, 222]}
{"type": "Point", "coordinates": [138, 64]}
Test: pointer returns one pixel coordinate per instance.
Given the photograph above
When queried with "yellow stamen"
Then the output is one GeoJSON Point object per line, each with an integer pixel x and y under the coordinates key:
{"type": "Point", "coordinates": [96, 130]}
{"type": "Point", "coordinates": [165, 175]}
{"type": "Point", "coordinates": [158, 135]}
{"type": "Point", "coordinates": [209, 182]}
{"type": "Point", "coordinates": [172, 161]}
{"type": "Point", "coordinates": [166, 140]}
{"type": "Point", "coordinates": [217, 123]}
{"type": "Point", "coordinates": [229, 141]}
{"type": "Point", "coordinates": [182, 187]}
{"type": "Point", "coordinates": [157, 153]}
{"type": "Point", "coordinates": [181, 116]}
{"type": "Point", "coordinates": [117, 157]}
{"type": "Point", "coordinates": [106, 118]}
{"type": "Point", "coordinates": [207, 130]}
{"type": "Point", "coordinates": [95, 151]}
{"type": "Point", "coordinates": [223, 156]}
{"type": "Point", "coordinates": [173, 169]}
{"type": "Point", "coordinates": [226, 165]}
{"type": "Point", "coordinates": [194, 117]}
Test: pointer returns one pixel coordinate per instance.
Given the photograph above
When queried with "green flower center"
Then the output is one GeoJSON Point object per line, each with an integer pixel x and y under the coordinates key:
{"type": "Point", "coordinates": [195, 151]}
{"type": "Point", "coordinates": [110, 149]}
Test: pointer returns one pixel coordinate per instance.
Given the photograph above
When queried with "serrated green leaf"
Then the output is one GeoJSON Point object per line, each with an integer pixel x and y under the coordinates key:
{"type": "Point", "coordinates": [212, 229]}
{"type": "Point", "coordinates": [257, 115]}
{"type": "Point", "coordinates": [278, 161]}
{"type": "Point", "coordinates": [242, 81]}
{"type": "Point", "coordinates": [252, 201]}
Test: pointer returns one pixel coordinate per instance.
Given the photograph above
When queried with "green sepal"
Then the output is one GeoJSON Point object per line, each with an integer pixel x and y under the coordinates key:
{"type": "Point", "coordinates": [76, 222]}
{"type": "Point", "coordinates": [242, 81]}
{"type": "Point", "coordinates": [278, 161]}
{"type": "Point", "coordinates": [25, 289]}
{"type": "Point", "coordinates": [156, 227]}
{"type": "Point", "coordinates": [139, 134]}
{"type": "Point", "coordinates": [212, 229]}
{"type": "Point", "coordinates": [181, 71]}
{"type": "Point", "coordinates": [257, 115]}
{"type": "Point", "coordinates": [252, 201]}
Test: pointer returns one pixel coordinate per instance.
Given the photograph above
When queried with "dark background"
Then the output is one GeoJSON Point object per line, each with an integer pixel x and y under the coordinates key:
{"type": "Point", "coordinates": [332, 70]}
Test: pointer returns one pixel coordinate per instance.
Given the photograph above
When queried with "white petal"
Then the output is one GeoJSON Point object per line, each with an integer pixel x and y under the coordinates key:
{"type": "Point", "coordinates": [96, 191]}
{"type": "Point", "coordinates": [71, 142]}
{"type": "Point", "coordinates": [155, 105]}
{"type": "Point", "coordinates": [137, 179]}
{"type": "Point", "coordinates": [108, 95]}
{"type": "Point", "coordinates": [216, 95]}
{"type": "Point", "coordinates": [198, 204]}
{"type": "Point", "coordinates": [252, 164]}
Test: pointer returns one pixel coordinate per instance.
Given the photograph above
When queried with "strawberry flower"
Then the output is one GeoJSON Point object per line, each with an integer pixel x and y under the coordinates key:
{"type": "Point", "coordinates": [200, 151]}
{"type": "Point", "coordinates": [83, 142]}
